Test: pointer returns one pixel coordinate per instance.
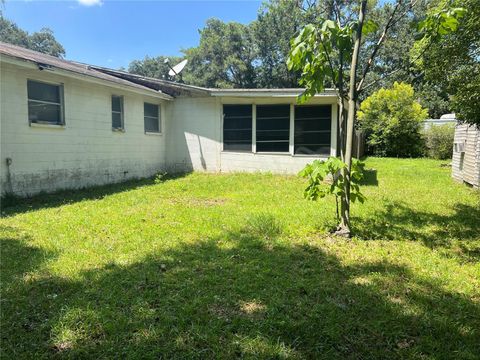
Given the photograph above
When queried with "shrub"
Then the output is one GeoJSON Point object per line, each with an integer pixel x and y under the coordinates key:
{"type": "Point", "coordinates": [439, 141]}
{"type": "Point", "coordinates": [392, 120]}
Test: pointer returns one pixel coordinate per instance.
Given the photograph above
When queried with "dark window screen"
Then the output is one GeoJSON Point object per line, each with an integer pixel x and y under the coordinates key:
{"type": "Point", "coordinates": [237, 127]}
{"type": "Point", "coordinates": [313, 129]}
{"type": "Point", "coordinates": [117, 112]}
{"type": "Point", "coordinates": [273, 128]}
{"type": "Point", "coordinates": [151, 115]}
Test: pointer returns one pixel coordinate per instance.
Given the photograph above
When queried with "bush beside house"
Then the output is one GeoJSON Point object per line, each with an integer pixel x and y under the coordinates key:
{"type": "Point", "coordinates": [392, 119]}
{"type": "Point", "coordinates": [439, 141]}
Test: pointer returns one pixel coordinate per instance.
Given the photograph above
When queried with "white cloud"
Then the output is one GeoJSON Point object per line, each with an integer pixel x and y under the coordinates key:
{"type": "Point", "coordinates": [90, 2]}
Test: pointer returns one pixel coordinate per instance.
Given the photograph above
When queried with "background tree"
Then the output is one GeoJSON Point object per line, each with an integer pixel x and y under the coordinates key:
{"type": "Point", "coordinates": [393, 119]}
{"type": "Point", "coordinates": [439, 140]}
{"type": "Point", "coordinates": [154, 66]}
{"type": "Point", "coordinates": [453, 64]}
{"type": "Point", "coordinates": [43, 41]}
{"type": "Point", "coordinates": [277, 22]}
{"type": "Point", "coordinates": [224, 57]}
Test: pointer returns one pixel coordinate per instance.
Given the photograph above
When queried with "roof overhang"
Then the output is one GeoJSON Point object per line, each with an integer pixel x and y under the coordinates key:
{"type": "Point", "coordinates": [272, 93]}
{"type": "Point", "coordinates": [169, 87]}
{"type": "Point", "coordinates": [87, 75]}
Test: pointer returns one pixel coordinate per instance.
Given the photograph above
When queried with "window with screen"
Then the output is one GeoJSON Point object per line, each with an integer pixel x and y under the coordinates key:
{"type": "Point", "coordinates": [237, 127]}
{"type": "Point", "coordinates": [117, 112]}
{"type": "Point", "coordinates": [151, 114]}
{"type": "Point", "coordinates": [273, 128]}
{"type": "Point", "coordinates": [313, 129]}
{"type": "Point", "coordinates": [44, 103]}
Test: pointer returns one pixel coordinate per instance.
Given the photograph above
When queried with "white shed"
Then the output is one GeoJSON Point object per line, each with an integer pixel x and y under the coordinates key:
{"type": "Point", "coordinates": [466, 154]}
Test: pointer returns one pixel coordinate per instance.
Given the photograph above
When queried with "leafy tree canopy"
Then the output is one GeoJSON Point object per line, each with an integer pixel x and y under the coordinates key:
{"type": "Point", "coordinates": [43, 41]}
{"type": "Point", "coordinates": [224, 57]}
{"type": "Point", "coordinates": [453, 64]}
{"type": "Point", "coordinates": [153, 66]}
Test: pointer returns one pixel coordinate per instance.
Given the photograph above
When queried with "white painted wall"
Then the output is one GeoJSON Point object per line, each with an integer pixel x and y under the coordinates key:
{"type": "Point", "coordinates": [195, 138]}
{"type": "Point", "coordinates": [87, 152]}
{"type": "Point", "coordinates": [83, 153]}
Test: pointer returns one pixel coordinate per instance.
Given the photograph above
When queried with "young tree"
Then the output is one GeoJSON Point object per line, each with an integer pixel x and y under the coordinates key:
{"type": "Point", "coordinates": [328, 51]}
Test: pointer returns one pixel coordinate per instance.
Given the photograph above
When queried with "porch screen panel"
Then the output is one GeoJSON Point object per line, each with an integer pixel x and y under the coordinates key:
{"type": "Point", "coordinates": [273, 128]}
{"type": "Point", "coordinates": [313, 129]}
{"type": "Point", "coordinates": [237, 127]}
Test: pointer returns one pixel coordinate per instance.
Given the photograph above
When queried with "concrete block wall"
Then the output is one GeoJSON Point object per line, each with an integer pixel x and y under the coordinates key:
{"type": "Point", "coordinates": [85, 151]}
{"type": "Point", "coordinates": [193, 140]}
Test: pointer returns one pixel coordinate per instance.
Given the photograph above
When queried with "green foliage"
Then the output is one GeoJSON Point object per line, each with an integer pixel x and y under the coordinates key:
{"type": "Point", "coordinates": [392, 119]}
{"type": "Point", "coordinates": [43, 41]}
{"type": "Point", "coordinates": [276, 24]}
{"type": "Point", "coordinates": [325, 178]}
{"type": "Point", "coordinates": [466, 93]}
{"type": "Point", "coordinates": [160, 177]}
{"type": "Point", "coordinates": [452, 63]}
{"type": "Point", "coordinates": [439, 141]}
{"type": "Point", "coordinates": [311, 53]}
{"type": "Point", "coordinates": [224, 57]}
{"type": "Point", "coordinates": [440, 20]}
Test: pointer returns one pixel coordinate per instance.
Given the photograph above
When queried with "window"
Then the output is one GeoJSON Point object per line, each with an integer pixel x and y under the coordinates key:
{"type": "Point", "coordinates": [151, 115]}
{"type": "Point", "coordinates": [237, 127]}
{"type": "Point", "coordinates": [313, 129]}
{"type": "Point", "coordinates": [45, 103]}
{"type": "Point", "coordinates": [273, 128]}
{"type": "Point", "coordinates": [117, 112]}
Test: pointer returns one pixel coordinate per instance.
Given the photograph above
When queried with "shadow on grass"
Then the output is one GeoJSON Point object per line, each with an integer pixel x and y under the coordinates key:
{"type": "Point", "coordinates": [12, 205]}
{"type": "Point", "coordinates": [369, 177]}
{"type": "Point", "coordinates": [238, 295]}
{"type": "Point", "coordinates": [398, 221]}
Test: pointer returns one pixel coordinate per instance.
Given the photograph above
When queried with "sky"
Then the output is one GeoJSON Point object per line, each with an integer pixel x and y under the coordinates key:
{"type": "Point", "coordinates": [112, 33]}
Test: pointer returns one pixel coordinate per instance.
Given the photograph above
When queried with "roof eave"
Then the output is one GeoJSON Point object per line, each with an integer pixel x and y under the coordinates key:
{"type": "Point", "coordinates": [77, 74]}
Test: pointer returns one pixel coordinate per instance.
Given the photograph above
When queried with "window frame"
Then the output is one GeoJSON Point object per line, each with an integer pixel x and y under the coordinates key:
{"type": "Point", "coordinates": [159, 107]}
{"type": "Point", "coordinates": [288, 141]}
{"type": "Point", "coordinates": [121, 112]}
{"type": "Point", "coordinates": [251, 129]}
{"type": "Point", "coordinates": [61, 104]}
{"type": "Point", "coordinates": [325, 131]}
{"type": "Point", "coordinates": [291, 149]}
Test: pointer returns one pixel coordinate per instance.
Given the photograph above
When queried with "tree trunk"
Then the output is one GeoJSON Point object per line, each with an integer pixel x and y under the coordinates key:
{"type": "Point", "coordinates": [344, 227]}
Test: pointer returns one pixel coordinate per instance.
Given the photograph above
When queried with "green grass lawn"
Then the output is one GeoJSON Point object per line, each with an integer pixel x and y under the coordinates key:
{"type": "Point", "coordinates": [241, 266]}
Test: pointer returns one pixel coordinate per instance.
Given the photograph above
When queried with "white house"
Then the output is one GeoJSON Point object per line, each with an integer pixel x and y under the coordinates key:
{"type": "Point", "coordinates": [67, 125]}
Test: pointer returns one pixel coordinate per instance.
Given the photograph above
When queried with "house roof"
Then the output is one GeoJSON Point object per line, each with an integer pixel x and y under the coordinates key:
{"type": "Point", "coordinates": [163, 88]}
{"type": "Point", "coordinates": [44, 61]}
{"type": "Point", "coordinates": [169, 87]}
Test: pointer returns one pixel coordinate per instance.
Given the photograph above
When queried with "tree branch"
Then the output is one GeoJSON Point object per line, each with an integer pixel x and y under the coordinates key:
{"type": "Point", "coordinates": [391, 22]}
{"type": "Point", "coordinates": [330, 63]}
{"type": "Point", "coordinates": [412, 62]}
{"type": "Point", "coordinates": [378, 44]}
